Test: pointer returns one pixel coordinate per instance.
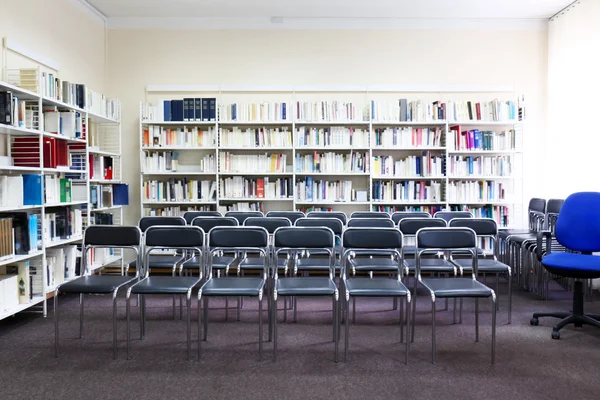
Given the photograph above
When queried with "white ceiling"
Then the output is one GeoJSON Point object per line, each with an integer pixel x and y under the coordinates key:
{"type": "Point", "coordinates": [438, 9]}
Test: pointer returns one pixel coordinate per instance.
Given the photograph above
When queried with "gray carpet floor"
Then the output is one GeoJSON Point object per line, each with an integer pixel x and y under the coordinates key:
{"type": "Point", "coordinates": [529, 363]}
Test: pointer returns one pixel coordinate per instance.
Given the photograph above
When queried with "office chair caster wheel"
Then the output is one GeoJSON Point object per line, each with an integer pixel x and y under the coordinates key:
{"type": "Point", "coordinates": [555, 335]}
{"type": "Point", "coordinates": [534, 321]}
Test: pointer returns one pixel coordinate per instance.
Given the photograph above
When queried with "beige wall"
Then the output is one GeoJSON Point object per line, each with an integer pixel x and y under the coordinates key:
{"type": "Point", "coordinates": [425, 57]}
{"type": "Point", "coordinates": [61, 31]}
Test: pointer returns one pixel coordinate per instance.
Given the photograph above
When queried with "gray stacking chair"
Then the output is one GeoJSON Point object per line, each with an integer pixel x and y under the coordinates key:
{"type": "Point", "coordinates": [374, 241]}
{"type": "Point", "coordinates": [370, 214]}
{"type": "Point", "coordinates": [183, 238]}
{"type": "Point", "coordinates": [190, 215]}
{"type": "Point", "coordinates": [290, 240]}
{"type": "Point", "coordinates": [447, 240]}
{"type": "Point", "coordinates": [270, 224]}
{"type": "Point", "coordinates": [291, 215]}
{"type": "Point", "coordinates": [100, 236]}
{"type": "Point", "coordinates": [398, 215]}
{"type": "Point", "coordinates": [432, 264]}
{"type": "Point", "coordinates": [242, 215]}
{"type": "Point", "coordinates": [328, 214]}
{"type": "Point", "coordinates": [484, 228]}
{"type": "Point", "coordinates": [244, 238]}
{"type": "Point", "coordinates": [448, 215]}
{"type": "Point", "coordinates": [370, 223]}
{"type": "Point", "coordinates": [318, 259]}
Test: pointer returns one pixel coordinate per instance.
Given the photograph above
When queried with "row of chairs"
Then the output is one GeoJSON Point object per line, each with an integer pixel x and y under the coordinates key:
{"type": "Point", "coordinates": [201, 249]}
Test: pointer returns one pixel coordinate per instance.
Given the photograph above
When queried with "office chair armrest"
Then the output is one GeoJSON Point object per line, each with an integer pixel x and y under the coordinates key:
{"type": "Point", "coordinates": [540, 244]}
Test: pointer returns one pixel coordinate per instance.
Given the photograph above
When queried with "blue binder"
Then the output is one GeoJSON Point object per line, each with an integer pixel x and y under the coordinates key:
{"type": "Point", "coordinates": [32, 190]}
{"type": "Point", "coordinates": [121, 194]}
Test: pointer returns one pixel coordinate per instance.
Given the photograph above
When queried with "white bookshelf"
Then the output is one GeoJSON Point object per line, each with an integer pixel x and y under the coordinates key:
{"type": "Point", "coordinates": [107, 128]}
{"type": "Point", "coordinates": [360, 180]}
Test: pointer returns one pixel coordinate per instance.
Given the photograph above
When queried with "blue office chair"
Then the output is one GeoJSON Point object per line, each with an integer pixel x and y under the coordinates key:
{"type": "Point", "coordinates": [578, 229]}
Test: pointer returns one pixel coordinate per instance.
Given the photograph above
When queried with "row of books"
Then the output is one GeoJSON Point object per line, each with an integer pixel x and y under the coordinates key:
{"type": "Point", "coordinates": [61, 263]}
{"type": "Point", "coordinates": [482, 140]}
{"type": "Point", "coordinates": [24, 233]}
{"type": "Point", "coordinates": [157, 136]}
{"type": "Point", "coordinates": [57, 189]}
{"type": "Point", "coordinates": [329, 111]}
{"type": "Point", "coordinates": [242, 206]}
{"type": "Point", "coordinates": [333, 136]}
{"type": "Point", "coordinates": [64, 223]}
{"type": "Point", "coordinates": [99, 256]}
{"type": "Point", "coordinates": [188, 109]}
{"type": "Point", "coordinates": [101, 167]}
{"type": "Point", "coordinates": [70, 93]}
{"type": "Point", "coordinates": [64, 123]}
{"type": "Point", "coordinates": [332, 163]}
{"type": "Point", "coordinates": [500, 214]}
{"type": "Point", "coordinates": [15, 285]}
{"type": "Point", "coordinates": [392, 209]}
{"type": "Point", "coordinates": [179, 190]}
{"type": "Point", "coordinates": [168, 161]}
{"type": "Point", "coordinates": [174, 211]}
{"type": "Point", "coordinates": [475, 191]}
{"type": "Point", "coordinates": [276, 163]}
{"type": "Point", "coordinates": [98, 103]}
{"type": "Point", "coordinates": [321, 190]}
{"type": "Point", "coordinates": [480, 166]}
{"type": "Point", "coordinates": [260, 188]}
{"type": "Point", "coordinates": [407, 137]}
{"type": "Point", "coordinates": [250, 112]}
{"type": "Point", "coordinates": [15, 112]}
{"type": "Point", "coordinates": [7, 244]}
{"type": "Point", "coordinates": [110, 195]}
{"type": "Point", "coordinates": [407, 191]}
{"type": "Point", "coordinates": [256, 137]}
{"type": "Point", "coordinates": [426, 165]}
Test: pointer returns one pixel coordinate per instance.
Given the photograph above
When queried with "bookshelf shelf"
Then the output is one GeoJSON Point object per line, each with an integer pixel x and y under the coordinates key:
{"type": "Point", "coordinates": [21, 307]}
{"type": "Point", "coordinates": [253, 199]}
{"type": "Point", "coordinates": [478, 202]}
{"type": "Point", "coordinates": [103, 209]}
{"type": "Point", "coordinates": [408, 178]}
{"type": "Point", "coordinates": [408, 203]}
{"type": "Point", "coordinates": [331, 148]}
{"type": "Point", "coordinates": [20, 169]}
{"type": "Point", "coordinates": [178, 148]}
{"type": "Point", "coordinates": [18, 131]}
{"type": "Point", "coordinates": [255, 173]}
{"type": "Point", "coordinates": [186, 173]}
{"type": "Point", "coordinates": [61, 137]}
{"type": "Point", "coordinates": [20, 208]}
{"type": "Point", "coordinates": [21, 93]}
{"type": "Point", "coordinates": [408, 123]}
{"type": "Point", "coordinates": [104, 153]}
{"type": "Point", "coordinates": [105, 181]}
{"type": "Point", "coordinates": [180, 123]}
{"type": "Point", "coordinates": [66, 204]}
{"type": "Point", "coordinates": [47, 101]}
{"type": "Point", "coordinates": [333, 202]}
{"type": "Point", "coordinates": [62, 242]}
{"type": "Point", "coordinates": [101, 119]}
{"type": "Point", "coordinates": [256, 123]}
{"type": "Point", "coordinates": [64, 171]}
{"type": "Point", "coordinates": [20, 257]}
{"type": "Point", "coordinates": [171, 203]}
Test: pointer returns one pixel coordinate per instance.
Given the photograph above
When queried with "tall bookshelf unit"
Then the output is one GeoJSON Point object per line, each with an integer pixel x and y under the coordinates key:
{"type": "Point", "coordinates": [98, 135]}
{"type": "Point", "coordinates": [482, 173]}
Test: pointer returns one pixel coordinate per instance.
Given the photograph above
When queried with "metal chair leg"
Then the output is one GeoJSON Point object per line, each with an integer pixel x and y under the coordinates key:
{"type": "Point", "coordinates": [80, 315]}
{"type": "Point", "coordinates": [275, 329]}
{"type": "Point", "coordinates": [414, 312]}
{"type": "Point", "coordinates": [114, 300]}
{"type": "Point", "coordinates": [199, 326]}
{"type": "Point", "coordinates": [477, 319]}
{"type": "Point", "coordinates": [189, 326]}
{"type": "Point", "coordinates": [401, 307]}
{"type": "Point", "coordinates": [335, 327]}
{"type": "Point", "coordinates": [347, 330]}
{"type": "Point", "coordinates": [509, 296]}
{"type": "Point", "coordinates": [128, 308]}
{"type": "Point", "coordinates": [260, 328]}
{"type": "Point", "coordinates": [334, 310]}
{"type": "Point", "coordinates": [205, 317]}
{"type": "Point", "coordinates": [493, 328]}
{"type": "Point", "coordinates": [433, 330]}
{"type": "Point", "coordinates": [142, 304]}
{"type": "Point", "coordinates": [56, 324]}
{"type": "Point", "coordinates": [407, 344]}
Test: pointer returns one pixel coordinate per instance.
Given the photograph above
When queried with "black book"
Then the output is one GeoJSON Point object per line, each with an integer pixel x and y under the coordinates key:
{"type": "Point", "coordinates": [205, 109]}
{"type": "Point", "coordinates": [6, 108]}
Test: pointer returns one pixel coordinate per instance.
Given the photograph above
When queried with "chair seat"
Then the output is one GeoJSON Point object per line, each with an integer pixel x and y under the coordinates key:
{"type": "Point", "coordinates": [160, 261]}
{"type": "Point", "coordinates": [374, 264]}
{"type": "Point", "coordinates": [164, 285]}
{"type": "Point", "coordinates": [375, 287]}
{"type": "Point", "coordinates": [430, 265]}
{"type": "Point", "coordinates": [315, 264]}
{"type": "Point", "coordinates": [307, 286]}
{"type": "Point", "coordinates": [457, 287]}
{"type": "Point", "coordinates": [257, 263]}
{"type": "Point", "coordinates": [240, 286]}
{"type": "Point", "coordinates": [483, 265]}
{"type": "Point", "coordinates": [97, 284]}
{"type": "Point", "coordinates": [571, 265]}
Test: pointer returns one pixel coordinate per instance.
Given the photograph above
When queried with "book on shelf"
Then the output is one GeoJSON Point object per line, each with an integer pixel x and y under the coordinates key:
{"type": "Point", "coordinates": [168, 161]}
{"type": "Point", "coordinates": [405, 110]}
{"type": "Point", "coordinates": [57, 190]}
{"type": "Point", "coordinates": [120, 194]}
{"type": "Point", "coordinates": [242, 206]}
{"type": "Point", "coordinates": [465, 166]}
{"type": "Point", "coordinates": [16, 112]}
{"type": "Point", "coordinates": [478, 191]}
{"type": "Point", "coordinates": [22, 283]}
{"type": "Point", "coordinates": [11, 191]}
{"type": "Point", "coordinates": [9, 291]}
{"type": "Point", "coordinates": [426, 165]}
{"type": "Point", "coordinates": [475, 139]}
{"type": "Point", "coordinates": [23, 231]}
{"type": "Point", "coordinates": [255, 137]}
{"type": "Point", "coordinates": [185, 110]}
{"type": "Point", "coordinates": [64, 123]}
{"type": "Point", "coordinates": [174, 211]}
{"type": "Point", "coordinates": [64, 223]}
{"type": "Point", "coordinates": [406, 191]}
{"type": "Point", "coordinates": [332, 136]}
{"type": "Point", "coordinates": [501, 214]}
{"type": "Point", "coordinates": [355, 162]}
{"type": "Point", "coordinates": [408, 137]}
{"type": "Point", "coordinates": [7, 247]}
{"type": "Point", "coordinates": [193, 137]}
{"type": "Point", "coordinates": [255, 112]}
{"type": "Point", "coordinates": [252, 163]}
{"type": "Point", "coordinates": [60, 264]}
{"type": "Point", "coordinates": [326, 111]}
{"type": "Point", "coordinates": [309, 189]}
{"type": "Point", "coordinates": [259, 188]}
{"type": "Point", "coordinates": [25, 78]}
{"type": "Point", "coordinates": [392, 209]}
{"type": "Point", "coordinates": [182, 190]}
{"type": "Point", "coordinates": [56, 153]}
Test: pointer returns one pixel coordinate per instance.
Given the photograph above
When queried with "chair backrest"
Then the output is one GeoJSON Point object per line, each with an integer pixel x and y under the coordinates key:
{"type": "Point", "coordinates": [291, 239]}
{"type": "Point", "coordinates": [399, 215]}
{"type": "Point", "coordinates": [253, 239]}
{"type": "Point", "coordinates": [537, 212]}
{"type": "Point", "coordinates": [147, 222]}
{"type": "Point", "coordinates": [370, 214]}
{"type": "Point", "coordinates": [484, 228]}
{"type": "Point", "coordinates": [372, 241]}
{"type": "Point", "coordinates": [370, 223]}
{"type": "Point", "coordinates": [335, 224]}
{"type": "Point", "coordinates": [269, 223]}
{"type": "Point", "coordinates": [460, 240]}
{"type": "Point", "coordinates": [207, 223]}
{"type": "Point", "coordinates": [178, 237]}
{"type": "Point", "coordinates": [578, 224]}
{"type": "Point", "coordinates": [552, 211]}
{"type": "Point", "coordinates": [190, 215]}
{"type": "Point", "coordinates": [116, 236]}
{"type": "Point", "coordinates": [328, 214]}
{"type": "Point", "coordinates": [410, 226]}
{"type": "Point", "coordinates": [291, 215]}
{"type": "Point", "coordinates": [448, 215]}
{"type": "Point", "coordinates": [242, 215]}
